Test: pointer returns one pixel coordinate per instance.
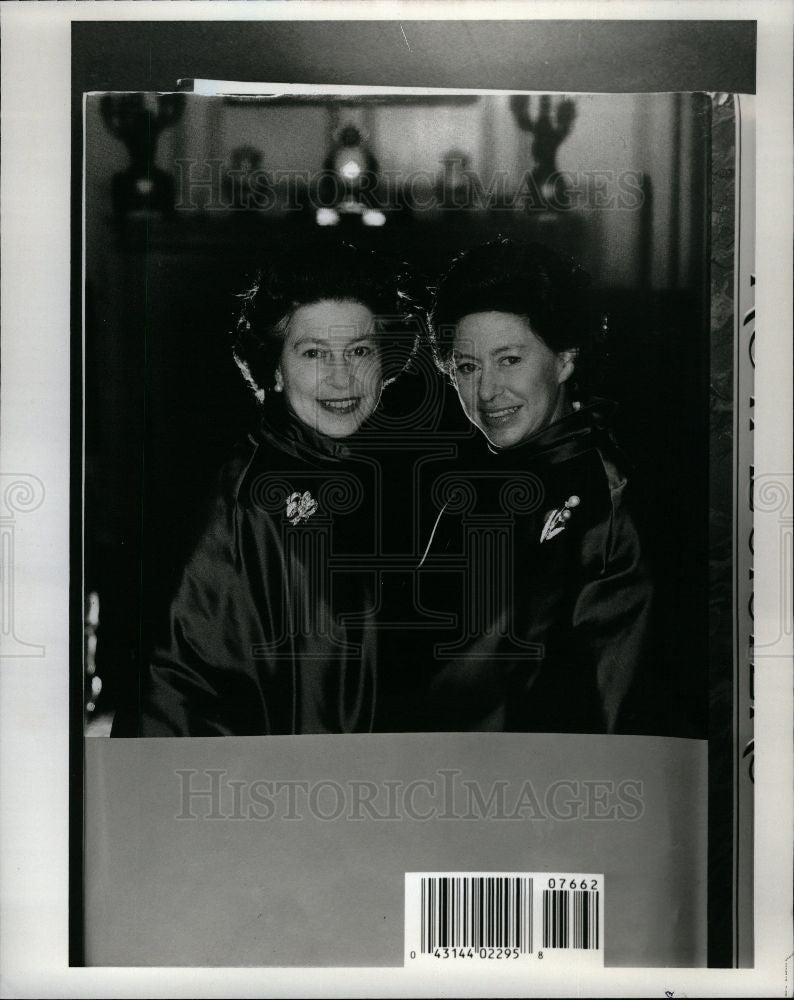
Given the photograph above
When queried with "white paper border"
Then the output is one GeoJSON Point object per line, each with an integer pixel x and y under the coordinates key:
{"type": "Point", "coordinates": [34, 429]}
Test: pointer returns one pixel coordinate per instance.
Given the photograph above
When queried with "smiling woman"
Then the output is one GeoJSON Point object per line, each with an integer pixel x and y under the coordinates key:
{"type": "Point", "coordinates": [330, 370]}
{"type": "Point", "coordinates": [327, 327]}
{"type": "Point", "coordinates": [557, 593]}
{"type": "Point", "coordinates": [510, 383]}
{"type": "Point", "coordinates": [509, 327]}
{"type": "Point", "coordinates": [272, 628]}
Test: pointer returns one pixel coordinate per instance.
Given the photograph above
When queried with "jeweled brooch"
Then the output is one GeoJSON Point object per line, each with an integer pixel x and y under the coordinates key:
{"type": "Point", "coordinates": [300, 507]}
{"type": "Point", "coordinates": [558, 519]}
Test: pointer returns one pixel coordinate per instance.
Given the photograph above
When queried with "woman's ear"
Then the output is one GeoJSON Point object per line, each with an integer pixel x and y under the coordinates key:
{"type": "Point", "coordinates": [566, 365]}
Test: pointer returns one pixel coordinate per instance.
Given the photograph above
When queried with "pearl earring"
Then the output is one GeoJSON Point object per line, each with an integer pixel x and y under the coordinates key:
{"type": "Point", "coordinates": [279, 383]}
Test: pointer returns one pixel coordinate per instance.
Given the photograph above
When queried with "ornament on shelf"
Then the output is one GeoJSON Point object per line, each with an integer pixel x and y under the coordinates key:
{"type": "Point", "coordinates": [142, 189]}
{"type": "Point", "coordinates": [349, 180]}
{"type": "Point", "coordinates": [453, 183]}
{"type": "Point", "coordinates": [246, 186]}
{"type": "Point", "coordinates": [548, 130]}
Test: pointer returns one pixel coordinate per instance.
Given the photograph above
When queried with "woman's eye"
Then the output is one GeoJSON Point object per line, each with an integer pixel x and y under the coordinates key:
{"type": "Point", "coordinates": [465, 368]}
{"type": "Point", "coordinates": [511, 359]}
{"type": "Point", "coordinates": [312, 353]}
{"type": "Point", "coordinates": [361, 351]}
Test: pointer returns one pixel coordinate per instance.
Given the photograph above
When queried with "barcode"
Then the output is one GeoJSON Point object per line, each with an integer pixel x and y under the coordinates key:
{"type": "Point", "coordinates": [460, 912]}
{"type": "Point", "coordinates": [570, 918]}
{"type": "Point", "coordinates": [504, 916]}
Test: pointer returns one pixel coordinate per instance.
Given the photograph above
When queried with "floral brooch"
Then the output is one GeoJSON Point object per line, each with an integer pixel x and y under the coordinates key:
{"type": "Point", "coordinates": [300, 507]}
{"type": "Point", "coordinates": [557, 519]}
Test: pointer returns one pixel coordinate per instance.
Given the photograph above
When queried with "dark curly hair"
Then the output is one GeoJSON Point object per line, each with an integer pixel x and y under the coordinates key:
{"type": "Point", "coordinates": [526, 279]}
{"type": "Point", "coordinates": [310, 274]}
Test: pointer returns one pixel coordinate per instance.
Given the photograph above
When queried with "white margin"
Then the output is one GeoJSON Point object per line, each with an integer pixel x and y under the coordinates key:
{"type": "Point", "coordinates": [34, 437]}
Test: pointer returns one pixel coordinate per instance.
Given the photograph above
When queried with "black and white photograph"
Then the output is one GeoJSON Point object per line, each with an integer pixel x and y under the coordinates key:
{"type": "Point", "coordinates": [380, 435]}
{"type": "Point", "coordinates": [445, 521]}
{"type": "Point", "coordinates": [414, 505]}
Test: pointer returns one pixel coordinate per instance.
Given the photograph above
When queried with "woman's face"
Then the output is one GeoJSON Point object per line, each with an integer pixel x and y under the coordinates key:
{"type": "Point", "coordinates": [330, 366]}
{"type": "Point", "coordinates": [508, 380]}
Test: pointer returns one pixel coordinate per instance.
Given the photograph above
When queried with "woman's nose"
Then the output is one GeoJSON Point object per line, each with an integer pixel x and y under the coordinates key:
{"type": "Point", "coordinates": [488, 386]}
{"type": "Point", "coordinates": [338, 373]}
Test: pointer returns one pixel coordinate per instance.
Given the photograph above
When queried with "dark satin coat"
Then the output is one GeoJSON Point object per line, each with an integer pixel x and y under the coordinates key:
{"type": "Point", "coordinates": [272, 628]}
{"type": "Point", "coordinates": [326, 625]}
{"type": "Point", "coordinates": [552, 635]}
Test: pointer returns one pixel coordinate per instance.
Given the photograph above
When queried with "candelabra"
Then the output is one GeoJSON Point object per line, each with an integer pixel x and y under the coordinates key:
{"type": "Point", "coordinates": [137, 120]}
{"type": "Point", "coordinates": [549, 130]}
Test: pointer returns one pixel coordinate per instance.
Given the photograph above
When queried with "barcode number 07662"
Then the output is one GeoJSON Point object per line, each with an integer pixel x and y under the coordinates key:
{"type": "Point", "coordinates": [571, 883]}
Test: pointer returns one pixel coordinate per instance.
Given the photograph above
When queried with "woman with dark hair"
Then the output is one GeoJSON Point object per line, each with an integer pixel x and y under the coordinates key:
{"type": "Point", "coordinates": [528, 296]}
{"type": "Point", "coordinates": [555, 604]}
{"type": "Point", "coordinates": [272, 627]}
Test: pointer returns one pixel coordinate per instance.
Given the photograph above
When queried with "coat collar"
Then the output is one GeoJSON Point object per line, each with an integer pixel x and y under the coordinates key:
{"type": "Point", "coordinates": [280, 428]}
{"type": "Point", "coordinates": [564, 438]}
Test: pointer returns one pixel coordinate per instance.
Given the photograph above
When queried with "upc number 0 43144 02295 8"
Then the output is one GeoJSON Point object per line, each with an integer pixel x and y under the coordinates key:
{"type": "Point", "coordinates": [504, 916]}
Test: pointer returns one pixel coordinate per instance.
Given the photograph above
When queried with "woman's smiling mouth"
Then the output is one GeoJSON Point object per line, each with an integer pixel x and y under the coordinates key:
{"type": "Point", "coordinates": [340, 406]}
{"type": "Point", "coordinates": [498, 418]}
